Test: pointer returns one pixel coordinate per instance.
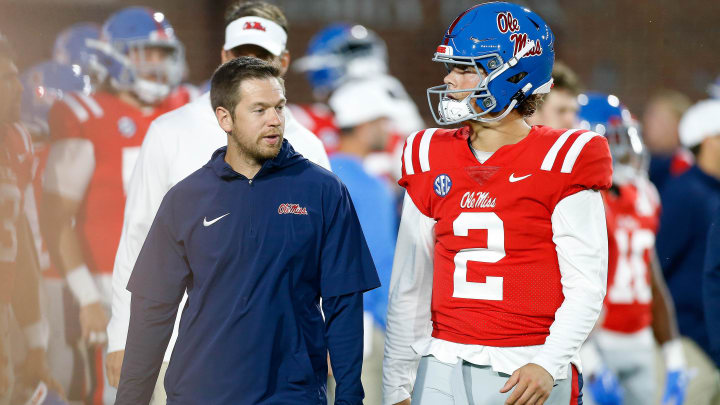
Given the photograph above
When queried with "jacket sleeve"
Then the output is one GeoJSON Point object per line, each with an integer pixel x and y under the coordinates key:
{"type": "Point", "coordinates": [580, 237]}
{"type": "Point", "coordinates": [147, 187]}
{"type": "Point", "coordinates": [408, 315]}
{"type": "Point", "coordinates": [344, 334]}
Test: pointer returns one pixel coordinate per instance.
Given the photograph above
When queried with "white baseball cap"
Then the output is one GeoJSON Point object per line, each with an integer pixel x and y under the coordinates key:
{"type": "Point", "coordinates": [256, 31]}
{"type": "Point", "coordinates": [700, 121]}
{"type": "Point", "coordinates": [358, 102]}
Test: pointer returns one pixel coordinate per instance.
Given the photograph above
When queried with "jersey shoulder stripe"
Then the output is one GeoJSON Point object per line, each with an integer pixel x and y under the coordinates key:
{"type": "Point", "coordinates": [91, 104]}
{"type": "Point", "coordinates": [577, 146]}
{"type": "Point", "coordinates": [416, 155]}
{"type": "Point", "coordinates": [566, 149]}
{"type": "Point", "coordinates": [76, 107]}
{"type": "Point", "coordinates": [549, 159]}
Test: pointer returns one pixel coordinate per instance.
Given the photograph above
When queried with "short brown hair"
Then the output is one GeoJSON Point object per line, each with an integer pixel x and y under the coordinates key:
{"type": "Point", "coordinates": [256, 8]}
{"type": "Point", "coordinates": [565, 79]}
{"type": "Point", "coordinates": [229, 76]}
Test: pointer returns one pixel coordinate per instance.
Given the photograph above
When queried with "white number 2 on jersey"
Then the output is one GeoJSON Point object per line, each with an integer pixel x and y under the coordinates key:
{"type": "Point", "coordinates": [630, 281]}
{"type": "Point", "coordinates": [492, 288]}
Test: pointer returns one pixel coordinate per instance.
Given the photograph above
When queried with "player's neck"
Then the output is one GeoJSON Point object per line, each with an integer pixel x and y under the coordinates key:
{"type": "Point", "coordinates": [491, 136]}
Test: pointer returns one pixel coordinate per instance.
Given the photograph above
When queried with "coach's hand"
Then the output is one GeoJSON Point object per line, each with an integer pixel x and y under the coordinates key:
{"type": "Point", "coordinates": [113, 366]}
{"type": "Point", "coordinates": [532, 385]}
{"type": "Point", "coordinates": [93, 322]}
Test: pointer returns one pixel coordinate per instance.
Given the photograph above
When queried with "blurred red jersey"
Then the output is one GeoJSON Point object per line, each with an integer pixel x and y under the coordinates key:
{"type": "Point", "coordinates": [116, 130]}
{"type": "Point", "coordinates": [634, 216]}
{"type": "Point", "coordinates": [496, 274]}
{"type": "Point", "coordinates": [320, 120]}
{"type": "Point", "coordinates": [16, 166]}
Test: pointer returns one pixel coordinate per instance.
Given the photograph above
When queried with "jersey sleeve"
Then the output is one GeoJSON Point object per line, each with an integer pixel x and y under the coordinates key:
{"type": "Point", "coordinates": [588, 164]}
{"type": "Point", "coordinates": [345, 263]}
{"type": "Point", "coordinates": [415, 178]}
{"type": "Point", "coordinates": [66, 118]}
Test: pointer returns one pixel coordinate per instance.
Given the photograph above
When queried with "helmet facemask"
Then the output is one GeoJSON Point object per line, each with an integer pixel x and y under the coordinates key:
{"type": "Point", "coordinates": [450, 111]}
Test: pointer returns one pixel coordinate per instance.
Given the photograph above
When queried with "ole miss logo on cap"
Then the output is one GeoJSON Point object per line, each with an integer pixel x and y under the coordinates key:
{"type": "Point", "coordinates": [253, 25]}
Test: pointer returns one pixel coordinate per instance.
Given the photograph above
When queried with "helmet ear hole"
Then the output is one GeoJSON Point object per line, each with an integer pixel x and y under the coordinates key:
{"type": "Point", "coordinates": [516, 78]}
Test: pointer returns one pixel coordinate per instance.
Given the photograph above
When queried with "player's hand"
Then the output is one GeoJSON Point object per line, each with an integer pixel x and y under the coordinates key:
{"type": "Point", "coordinates": [93, 322]}
{"type": "Point", "coordinates": [605, 387]}
{"type": "Point", "coordinates": [405, 402]}
{"type": "Point", "coordinates": [113, 366]}
{"type": "Point", "coordinates": [532, 385]}
{"type": "Point", "coordinates": [35, 369]}
{"type": "Point", "coordinates": [676, 384]}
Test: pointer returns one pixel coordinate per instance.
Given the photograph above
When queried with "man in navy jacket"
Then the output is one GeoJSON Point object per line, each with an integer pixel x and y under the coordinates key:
{"type": "Point", "coordinates": [256, 236]}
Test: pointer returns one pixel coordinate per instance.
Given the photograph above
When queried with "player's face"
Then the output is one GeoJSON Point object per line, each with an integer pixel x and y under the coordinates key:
{"type": "Point", "coordinates": [259, 120]}
{"type": "Point", "coordinates": [559, 110]}
{"type": "Point", "coordinates": [151, 62]}
{"type": "Point", "coordinates": [10, 91]}
{"type": "Point", "coordinates": [461, 77]}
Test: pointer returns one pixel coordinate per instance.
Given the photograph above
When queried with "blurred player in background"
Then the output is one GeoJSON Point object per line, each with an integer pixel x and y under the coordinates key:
{"type": "Point", "coordinates": [559, 107]}
{"type": "Point", "coordinates": [502, 242]}
{"type": "Point", "coordinates": [95, 142]}
{"type": "Point", "coordinates": [74, 47]}
{"type": "Point", "coordinates": [177, 144]}
{"type": "Point", "coordinates": [19, 266]}
{"type": "Point", "coordinates": [344, 54]}
{"type": "Point", "coordinates": [660, 121]}
{"type": "Point", "coordinates": [43, 85]}
{"type": "Point", "coordinates": [689, 204]}
{"type": "Point", "coordinates": [619, 358]}
{"type": "Point", "coordinates": [362, 111]}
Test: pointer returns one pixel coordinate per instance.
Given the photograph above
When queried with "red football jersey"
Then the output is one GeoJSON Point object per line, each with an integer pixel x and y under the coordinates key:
{"type": "Point", "coordinates": [496, 274]}
{"type": "Point", "coordinates": [116, 130]}
{"type": "Point", "coordinates": [632, 225]}
{"type": "Point", "coordinates": [319, 119]}
{"type": "Point", "coordinates": [16, 160]}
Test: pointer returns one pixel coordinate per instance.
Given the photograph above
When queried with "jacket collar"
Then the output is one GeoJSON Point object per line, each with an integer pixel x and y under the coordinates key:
{"type": "Point", "coordinates": [285, 158]}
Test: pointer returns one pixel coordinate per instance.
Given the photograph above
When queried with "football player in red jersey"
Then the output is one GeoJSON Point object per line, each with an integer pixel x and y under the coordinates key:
{"type": "Point", "coordinates": [620, 356]}
{"type": "Point", "coordinates": [95, 142]}
{"type": "Point", "coordinates": [19, 267]}
{"type": "Point", "coordinates": [501, 260]}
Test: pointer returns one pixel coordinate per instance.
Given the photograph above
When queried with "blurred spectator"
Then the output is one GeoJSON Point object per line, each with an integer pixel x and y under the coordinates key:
{"type": "Point", "coordinates": [660, 131]}
{"type": "Point", "coordinates": [689, 203]}
{"type": "Point", "coordinates": [560, 107]}
{"type": "Point", "coordinates": [362, 111]}
{"type": "Point", "coordinates": [711, 287]}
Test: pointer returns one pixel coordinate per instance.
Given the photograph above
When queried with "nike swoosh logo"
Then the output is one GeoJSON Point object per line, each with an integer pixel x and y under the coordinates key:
{"type": "Point", "coordinates": [208, 223]}
{"type": "Point", "coordinates": [513, 179]}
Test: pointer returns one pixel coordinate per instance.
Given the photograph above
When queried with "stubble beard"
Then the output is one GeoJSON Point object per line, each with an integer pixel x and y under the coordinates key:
{"type": "Point", "coordinates": [254, 149]}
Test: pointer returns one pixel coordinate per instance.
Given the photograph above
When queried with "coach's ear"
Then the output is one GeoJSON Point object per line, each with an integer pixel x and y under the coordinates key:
{"type": "Point", "coordinates": [224, 118]}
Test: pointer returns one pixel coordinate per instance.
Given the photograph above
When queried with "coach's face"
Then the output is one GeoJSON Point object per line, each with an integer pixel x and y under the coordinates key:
{"type": "Point", "coordinates": [258, 121]}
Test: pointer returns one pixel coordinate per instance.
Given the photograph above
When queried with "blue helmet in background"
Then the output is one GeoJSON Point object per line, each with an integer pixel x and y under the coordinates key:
{"type": "Point", "coordinates": [604, 114]}
{"type": "Point", "coordinates": [512, 50]}
{"type": "Point", "coordinates": [126, 35]}
{"type": "Point", "coordinates": [342, 52]}
{"type": "Point", "coordinates": [43, 84]}
{"type": "Point", "coordinates": [73, 47]}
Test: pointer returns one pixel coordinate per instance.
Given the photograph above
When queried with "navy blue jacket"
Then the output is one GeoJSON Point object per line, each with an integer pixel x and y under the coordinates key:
{"type": "Point", "coordinates": [711, 288]}
{"type": "Point", "coordinates": [689, 203]}
{"type": "Point", "coordinates": [255, 256]}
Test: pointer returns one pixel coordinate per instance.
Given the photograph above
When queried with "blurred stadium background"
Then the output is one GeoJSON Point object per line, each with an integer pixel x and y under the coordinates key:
{"type": "Point", "coordinates": [626, 47]}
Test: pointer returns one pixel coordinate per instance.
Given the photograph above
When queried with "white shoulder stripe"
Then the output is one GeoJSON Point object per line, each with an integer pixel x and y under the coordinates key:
{"type": "Point", "coordinates": [76, 108]}
{"type": "Point", "coordinates": [575, 150]}
{"type": "Point", "coordinates": [407, 155]}
{"type": "Point", "coordinates": [92, 104]}
{"type": "Point", "coordinates": [549, 160]}
{"type": "Point", "coordinates": [425, 149]}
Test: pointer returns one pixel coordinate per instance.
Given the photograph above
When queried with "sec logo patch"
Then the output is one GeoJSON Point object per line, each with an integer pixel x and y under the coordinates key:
{"type": "Point", "coordinates": [127, 127]}
{"type": "Point", "coordinates": [442, 185]}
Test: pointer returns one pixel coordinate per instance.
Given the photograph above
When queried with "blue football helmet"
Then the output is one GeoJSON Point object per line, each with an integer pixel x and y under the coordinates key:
{"type": "Point", "coordinates": [341, 52]}
{"type": "Point", "coordinates": [509, 46]}
{"type": "Point", "coordinates": [43, 84]}
{"type": "Point", "coordinates": [126, 35]}
{"type": "Point", "coordinates": [72, 47]}
{"type": "Point", "coordinates": [604, 114]}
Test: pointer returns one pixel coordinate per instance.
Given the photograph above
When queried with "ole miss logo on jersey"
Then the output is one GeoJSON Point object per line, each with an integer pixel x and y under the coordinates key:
{"type": "Point", "coordinates": [253, 26]}
{"type": "Point", "coordinates": [506, 23]}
